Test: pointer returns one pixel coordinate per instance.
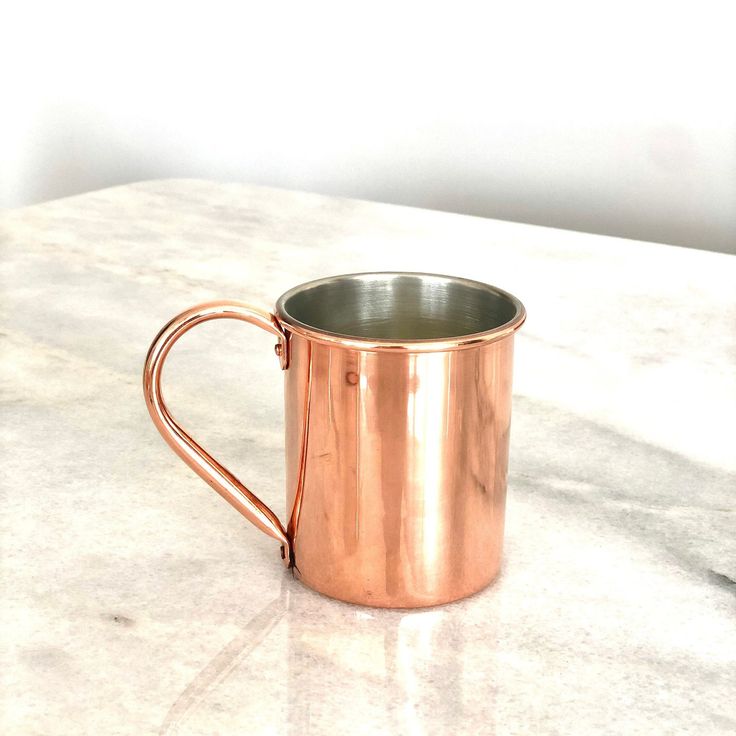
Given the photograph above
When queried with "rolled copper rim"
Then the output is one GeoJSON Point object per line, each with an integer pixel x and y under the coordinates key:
{"type": "Point", "coordinates": [459, 342]}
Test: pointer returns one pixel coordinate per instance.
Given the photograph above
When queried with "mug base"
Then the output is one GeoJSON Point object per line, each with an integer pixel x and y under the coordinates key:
{"type": "Point", "coordinates": [405, 601]}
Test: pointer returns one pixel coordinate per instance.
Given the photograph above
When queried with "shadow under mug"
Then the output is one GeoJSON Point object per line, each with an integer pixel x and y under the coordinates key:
{"type": "Point", "coordinates": [398, 408]}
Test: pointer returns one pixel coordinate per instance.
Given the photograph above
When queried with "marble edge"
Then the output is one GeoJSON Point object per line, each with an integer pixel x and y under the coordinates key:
{"type": "Point", "coordinates": [145, 184]}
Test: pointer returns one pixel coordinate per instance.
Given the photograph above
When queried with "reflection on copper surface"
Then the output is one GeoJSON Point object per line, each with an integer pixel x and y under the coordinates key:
{"type": "Point", "coordinates": [403, 489]}
{"type": "Point", "coordinates": [296, 504]}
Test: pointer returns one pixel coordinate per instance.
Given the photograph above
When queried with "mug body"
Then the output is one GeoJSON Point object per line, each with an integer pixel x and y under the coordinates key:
{"type": "Point", "coordinates": [398, 408]}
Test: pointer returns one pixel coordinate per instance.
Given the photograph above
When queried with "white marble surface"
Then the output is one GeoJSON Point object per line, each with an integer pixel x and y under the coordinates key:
{"type": "Point", "coordinates": [137, 602]}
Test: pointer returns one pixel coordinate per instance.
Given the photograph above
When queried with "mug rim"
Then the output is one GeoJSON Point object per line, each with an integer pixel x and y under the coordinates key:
{"type": "Point", "coordinates": [474, 339]}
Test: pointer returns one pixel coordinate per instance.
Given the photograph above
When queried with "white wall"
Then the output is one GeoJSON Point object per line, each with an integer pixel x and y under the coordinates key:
{"type": "Point", "coordinates": [614, 117]}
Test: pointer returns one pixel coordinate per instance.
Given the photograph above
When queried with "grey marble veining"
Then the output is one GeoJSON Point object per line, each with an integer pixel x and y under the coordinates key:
{"type": "Point", "coordinates": [137, 602]}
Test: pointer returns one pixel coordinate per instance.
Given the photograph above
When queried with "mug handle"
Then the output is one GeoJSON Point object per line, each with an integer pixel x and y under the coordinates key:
{"type": "Point", "coordinates": [195, 456]}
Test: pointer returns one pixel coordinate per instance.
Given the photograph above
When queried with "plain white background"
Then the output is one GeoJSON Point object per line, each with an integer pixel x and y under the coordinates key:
{"type": "Point", "coordinates": [615, 118]}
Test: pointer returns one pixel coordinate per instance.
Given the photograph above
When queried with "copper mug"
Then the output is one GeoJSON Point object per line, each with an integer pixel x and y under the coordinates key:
{"type": "Point", "coordinates": [398, 407]}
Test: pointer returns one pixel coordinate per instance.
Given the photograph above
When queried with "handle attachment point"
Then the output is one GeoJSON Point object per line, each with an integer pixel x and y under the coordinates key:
{"type": "Point", "coordinates": [281, 348]}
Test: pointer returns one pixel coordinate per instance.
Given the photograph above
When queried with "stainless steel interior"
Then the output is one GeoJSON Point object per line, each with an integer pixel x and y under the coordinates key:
{"type": "Point", "coordinates": [398, 306]}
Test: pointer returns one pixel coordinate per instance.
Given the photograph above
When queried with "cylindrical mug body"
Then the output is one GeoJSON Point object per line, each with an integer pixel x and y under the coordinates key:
{"type": "Point", "coordinates": [396, 469]}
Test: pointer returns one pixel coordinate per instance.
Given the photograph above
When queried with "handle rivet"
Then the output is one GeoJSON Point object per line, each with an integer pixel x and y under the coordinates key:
{"type": "Point", "coordinates": [278, 349]}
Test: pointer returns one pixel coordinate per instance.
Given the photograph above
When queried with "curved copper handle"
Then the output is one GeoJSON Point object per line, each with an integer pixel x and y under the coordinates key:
{"type": "Point", "coordinates": [198, 459]}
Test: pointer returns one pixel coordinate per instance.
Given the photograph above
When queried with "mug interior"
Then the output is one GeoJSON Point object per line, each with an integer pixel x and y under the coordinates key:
{"type": "Point", "coordinates": [399, 306]}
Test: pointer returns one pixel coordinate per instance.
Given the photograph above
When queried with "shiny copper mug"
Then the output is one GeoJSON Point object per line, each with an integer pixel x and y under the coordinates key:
{"type": "Point", "coordinates": [398, 407]}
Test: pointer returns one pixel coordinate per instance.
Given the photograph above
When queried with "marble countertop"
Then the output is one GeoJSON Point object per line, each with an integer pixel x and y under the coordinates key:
{"type": "Point", "coordinates": [137, 602]}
